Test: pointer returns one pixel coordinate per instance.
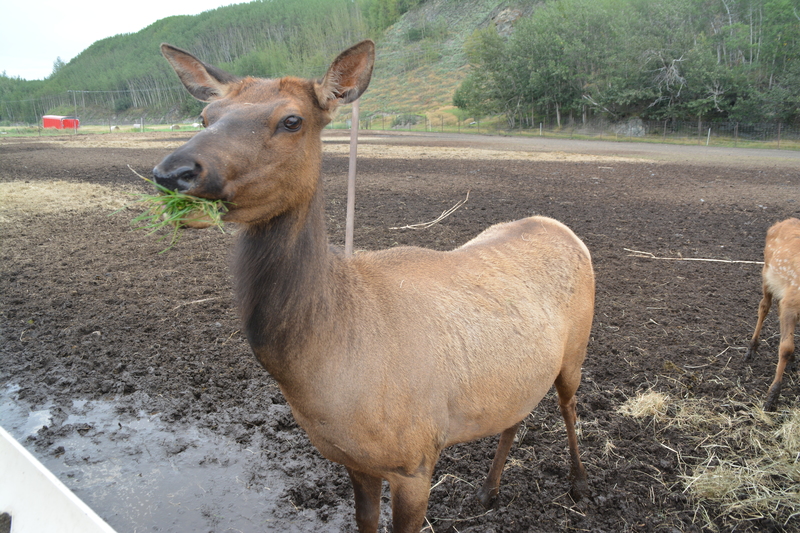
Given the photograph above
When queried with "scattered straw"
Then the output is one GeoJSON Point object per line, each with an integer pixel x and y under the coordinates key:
{"type": "Point", "coordinates": [650, 404]}
{"type": "Point", "coordinates": [739, 463]}
{"type": "Point", "coordinates": [789, 432]}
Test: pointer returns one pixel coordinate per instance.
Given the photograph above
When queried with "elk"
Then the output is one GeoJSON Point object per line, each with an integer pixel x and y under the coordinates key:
{"type": "Point", "coordinates": [780, 280]}
{"type": "Point", "coordinates": [385, 357]}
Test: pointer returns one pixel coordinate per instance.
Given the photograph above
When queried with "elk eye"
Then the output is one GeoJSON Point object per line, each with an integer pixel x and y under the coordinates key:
{"type": "Point", "coordinates": [292, 122]}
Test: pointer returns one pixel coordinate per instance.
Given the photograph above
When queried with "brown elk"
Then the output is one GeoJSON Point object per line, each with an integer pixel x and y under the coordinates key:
{"type": "Point", "coordinates": [780, 280]}
{"type": "Point", "coordinates": [387, 357]}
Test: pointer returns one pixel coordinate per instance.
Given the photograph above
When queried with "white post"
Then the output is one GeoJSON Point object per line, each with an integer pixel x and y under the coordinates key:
{"type": "Point", "coordinates": [351, 184]}
{"type": "Point", "coordinates": [709, 136]}
{"type": "Point", "coordinates": [75, 104]}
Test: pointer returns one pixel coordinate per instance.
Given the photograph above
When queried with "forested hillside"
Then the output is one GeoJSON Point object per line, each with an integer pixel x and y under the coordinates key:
{"type": "Point", "coordinates": [735, 60]}
{"type": "Point", "coordinates": [527, 60]}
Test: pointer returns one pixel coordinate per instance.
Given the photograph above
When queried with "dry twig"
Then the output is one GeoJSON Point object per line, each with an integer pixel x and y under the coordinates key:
{"type": "Point", "coordinates": [648, 255]}
{"type": "Point", "coordinates": [196, 302]}
{"type": "Point", "coordinates": [444, 215]}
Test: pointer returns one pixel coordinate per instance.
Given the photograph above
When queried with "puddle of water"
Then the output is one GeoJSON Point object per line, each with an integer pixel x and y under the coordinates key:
{"type": "Point", "coordinates": [24, 421]}
{"type": "Point", "coordinates": [139, 475]}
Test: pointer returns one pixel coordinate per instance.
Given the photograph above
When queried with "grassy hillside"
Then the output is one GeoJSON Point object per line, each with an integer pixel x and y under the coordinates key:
{"type": "Point", "coordinates": [420, 60]}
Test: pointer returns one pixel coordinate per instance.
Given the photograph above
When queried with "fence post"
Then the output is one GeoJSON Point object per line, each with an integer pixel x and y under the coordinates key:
{"type": "Point", "coordinates": [75, 103]}
{"type": "Point", "coordinates": [709, 136]}
{"type": "Point", "coordinates": [351, 182]}
{"type": "Point", "coordinates": [699, 129]}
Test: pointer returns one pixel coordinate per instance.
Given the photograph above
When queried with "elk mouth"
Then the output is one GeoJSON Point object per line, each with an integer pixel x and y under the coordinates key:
{"type": "Point", "coordinates": [174, 205]}
{"type": "Point", "coordinates": [200, 217]}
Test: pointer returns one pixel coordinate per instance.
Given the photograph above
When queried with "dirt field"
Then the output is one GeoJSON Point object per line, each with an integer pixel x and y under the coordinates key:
{"type": "Point", "coordinates": [125, 371]}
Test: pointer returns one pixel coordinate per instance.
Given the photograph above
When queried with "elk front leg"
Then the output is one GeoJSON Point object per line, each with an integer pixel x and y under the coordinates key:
{"type": "Point", "coordinates": [785, 353]}
{"type": "Point", "coordinates": [763, 309]}
{"type": "Point", "coordinates": [367, 491]}
{"type": "Point", "coordinates": [491, 487]}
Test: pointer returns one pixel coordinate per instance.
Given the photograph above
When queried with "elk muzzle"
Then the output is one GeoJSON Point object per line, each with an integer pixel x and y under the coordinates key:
{"type": "Point", "coordinates": [182, 174]}
{"type": "Point", "coordinates": [176, 178]}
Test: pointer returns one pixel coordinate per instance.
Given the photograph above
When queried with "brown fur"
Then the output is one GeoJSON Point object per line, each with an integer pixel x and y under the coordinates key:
{"type": "Point", "coordinates": [388, 357]}
{"type": "Point", "coordinates": [781, 281]}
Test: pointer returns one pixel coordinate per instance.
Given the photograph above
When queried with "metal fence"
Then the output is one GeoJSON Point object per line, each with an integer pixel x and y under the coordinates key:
{"type": "Point", "coordinates": [767, 135]}
{"type": "Point", "coordinates": [771, 134]}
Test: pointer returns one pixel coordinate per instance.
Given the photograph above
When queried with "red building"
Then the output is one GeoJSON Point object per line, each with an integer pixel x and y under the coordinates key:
{"type": "Point", "coordinates": [60, 123]}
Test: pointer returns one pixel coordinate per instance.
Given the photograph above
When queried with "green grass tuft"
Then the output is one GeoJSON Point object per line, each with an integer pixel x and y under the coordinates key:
{"type": "Point", "coordinates": [174, 211]}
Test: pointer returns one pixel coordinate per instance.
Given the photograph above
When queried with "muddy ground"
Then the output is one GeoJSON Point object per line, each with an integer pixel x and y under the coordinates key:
{"type": "Point", "coordinates": [125, 371]}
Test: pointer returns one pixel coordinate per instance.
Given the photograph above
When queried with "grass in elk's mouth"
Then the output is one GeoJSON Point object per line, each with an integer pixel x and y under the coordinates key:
{"type": "Point", "coordinates": [174, 211]}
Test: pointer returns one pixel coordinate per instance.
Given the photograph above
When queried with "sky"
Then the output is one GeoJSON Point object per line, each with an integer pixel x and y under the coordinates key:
{"type": "Point", "coordinates": [36, 32]}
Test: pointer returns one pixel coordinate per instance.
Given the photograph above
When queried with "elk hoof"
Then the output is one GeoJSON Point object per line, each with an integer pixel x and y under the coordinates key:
{"type": "Point", "coordinates": [487, 497]}
{"type": "Point", "coordinates": [580, 490]}
{"type": "Point", "coordinates": [772, 397]}
{"type": "Point", "coordinates": [751, 353]}
{"type": "Point", "coordinates": [772, 402]}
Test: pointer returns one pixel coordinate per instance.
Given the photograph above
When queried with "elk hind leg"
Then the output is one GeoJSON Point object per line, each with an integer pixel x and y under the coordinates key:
{"type": "Point", "coordinates": [566, 386]}
{"type": "Point", "coordinates": [763, 309]}
{"type": "Point", "coordinates": [410, 499]}
{"type": "Point", "coordinates": [491, 487]}
{"type": "Point", "coordinates": [367, 491]}
{"type": "Point", "coordinates": [789, 315]}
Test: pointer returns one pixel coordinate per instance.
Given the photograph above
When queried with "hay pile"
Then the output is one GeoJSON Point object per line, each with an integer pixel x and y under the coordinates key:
{"type": "Point", "coordinates": [740, 462]}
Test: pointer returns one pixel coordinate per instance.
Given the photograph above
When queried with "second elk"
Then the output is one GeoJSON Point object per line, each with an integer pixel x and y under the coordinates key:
{"type": "Point", "coordinates": [780, 281]}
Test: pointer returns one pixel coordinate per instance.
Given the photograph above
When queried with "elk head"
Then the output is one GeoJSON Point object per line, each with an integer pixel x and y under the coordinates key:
{"type": "Point", "coordinates": [261, 147]}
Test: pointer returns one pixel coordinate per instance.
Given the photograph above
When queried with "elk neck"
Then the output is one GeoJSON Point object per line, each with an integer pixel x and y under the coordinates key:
{"type": "Point", "coordinates": [283, 274]}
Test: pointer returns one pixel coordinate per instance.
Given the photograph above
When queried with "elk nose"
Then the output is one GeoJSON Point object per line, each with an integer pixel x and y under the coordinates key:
{"type": "Point", "coordinates": [177, 179]}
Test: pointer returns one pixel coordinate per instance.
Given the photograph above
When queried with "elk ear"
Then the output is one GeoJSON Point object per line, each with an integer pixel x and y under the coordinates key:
{"type": "Point", "coordinates": [204, 82]}
{"type": "Point", "coordinates": [348, 76]}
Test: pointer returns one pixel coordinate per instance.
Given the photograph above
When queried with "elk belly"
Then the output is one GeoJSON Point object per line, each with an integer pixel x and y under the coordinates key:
{"type": "Point", "coordinates": [775, 277]}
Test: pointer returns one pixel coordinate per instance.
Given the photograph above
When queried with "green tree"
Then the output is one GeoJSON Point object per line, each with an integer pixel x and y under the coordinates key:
{"type": "Point", "coordinates": [381, 14]}
{"type": "Point", "coordinates": [718, 59]}
{"type": "Point", "coordinates": [58, 64]}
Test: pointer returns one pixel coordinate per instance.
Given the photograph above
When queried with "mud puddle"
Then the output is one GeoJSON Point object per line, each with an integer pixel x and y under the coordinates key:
{"type": "Point", "coordinates": [142, 474]}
